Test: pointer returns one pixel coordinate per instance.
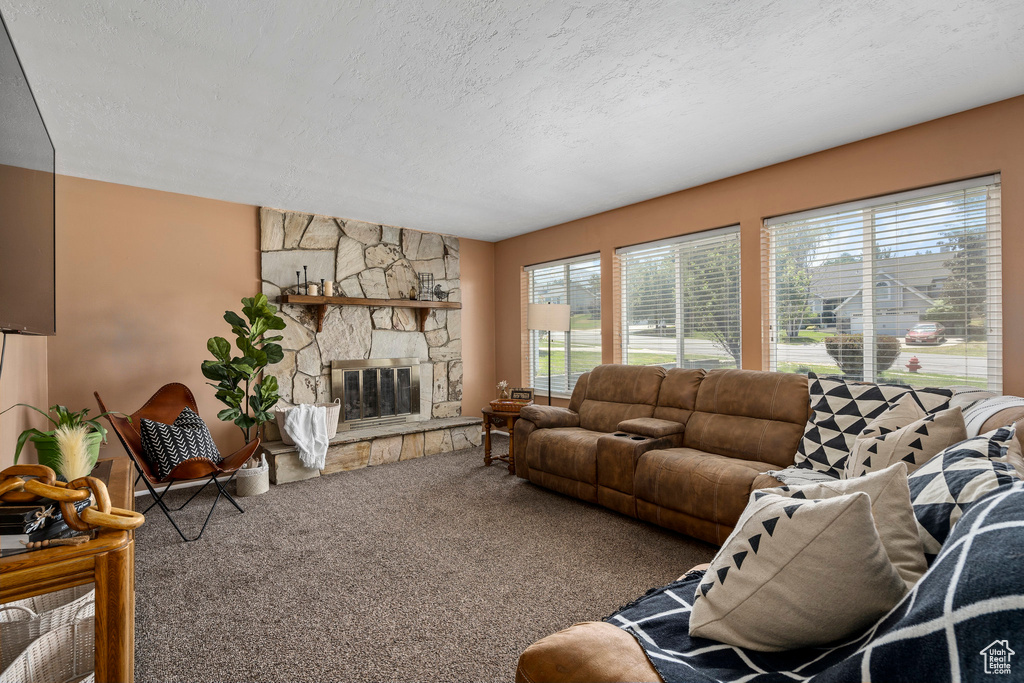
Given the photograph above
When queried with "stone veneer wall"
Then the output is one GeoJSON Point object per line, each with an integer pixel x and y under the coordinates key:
{"type": "Point", "coordinates": [368, 261]}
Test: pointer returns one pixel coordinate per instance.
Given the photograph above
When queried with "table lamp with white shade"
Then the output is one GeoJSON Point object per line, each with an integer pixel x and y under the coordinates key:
{"type": "Point", "coordinates": [548, 318]}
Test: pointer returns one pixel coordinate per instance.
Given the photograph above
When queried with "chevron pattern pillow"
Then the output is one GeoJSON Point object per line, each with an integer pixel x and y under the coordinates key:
{"type": "Point", "coordinates": [945, 486]}
{"type": "Point", "coordinates": [167, 446]}
{"type": "Point", "coordinates": [801, 573]}
{"type": "Point", "coordinates": [842, 410]}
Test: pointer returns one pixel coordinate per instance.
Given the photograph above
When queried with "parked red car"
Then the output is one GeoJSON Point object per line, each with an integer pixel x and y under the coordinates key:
{"type": "Point", "coordinates": [926, 333]}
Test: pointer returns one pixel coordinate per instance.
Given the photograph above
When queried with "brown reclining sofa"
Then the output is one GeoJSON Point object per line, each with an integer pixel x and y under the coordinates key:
{"type": "Point", "coordinates": [679, 448]}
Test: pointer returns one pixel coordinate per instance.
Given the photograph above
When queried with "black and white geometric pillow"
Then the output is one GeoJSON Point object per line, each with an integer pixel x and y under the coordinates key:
{"type": "Point", "coordinates": [841, 411]}
{"type": "Point", "coordinates": [167, 446]}
{"type": "Point", "coordinates": [947, 484]}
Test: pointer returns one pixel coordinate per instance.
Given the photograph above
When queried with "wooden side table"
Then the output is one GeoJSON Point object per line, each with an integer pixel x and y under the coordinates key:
{"type": "Point", "coordinates": [109, 561]}
{"type": "Point", "coordinates": [500, 418]}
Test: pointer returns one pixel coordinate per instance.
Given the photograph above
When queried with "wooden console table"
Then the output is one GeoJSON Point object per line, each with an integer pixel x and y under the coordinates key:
{"type": "Point", "coordinates": [109, 561]}
{"type": "Point", "coordinates": [500, 418]}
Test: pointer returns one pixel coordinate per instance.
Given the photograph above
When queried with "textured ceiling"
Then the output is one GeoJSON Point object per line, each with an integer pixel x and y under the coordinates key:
{"type": "Point", "coordinates": [490, 118]}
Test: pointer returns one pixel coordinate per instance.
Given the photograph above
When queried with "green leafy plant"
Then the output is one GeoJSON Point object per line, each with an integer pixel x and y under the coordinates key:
{"type": "Point", "coordinates": [847, 350]}
{"type": "Point", "coordinates": [235, 377]}
{"type": "Point", "coordinates": [60, 417]}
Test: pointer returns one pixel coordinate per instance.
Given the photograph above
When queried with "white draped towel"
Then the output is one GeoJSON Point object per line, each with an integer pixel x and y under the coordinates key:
{"type": "Point", "coordinates": [307, 426]}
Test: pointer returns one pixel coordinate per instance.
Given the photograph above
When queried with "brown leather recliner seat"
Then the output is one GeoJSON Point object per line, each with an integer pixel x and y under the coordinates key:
{"type": "Point", "coordinates": [682, 448]}
{"type": "Point", "coordinates": [740, 424]}
{"type": "Point", "coordinates": [558, 446]}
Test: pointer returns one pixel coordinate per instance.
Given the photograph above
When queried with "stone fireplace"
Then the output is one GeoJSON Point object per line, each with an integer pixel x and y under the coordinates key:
{"type": "Point", "coordinates": [381, 348]}
{"type": "Point", "coordinates": [370, 262]}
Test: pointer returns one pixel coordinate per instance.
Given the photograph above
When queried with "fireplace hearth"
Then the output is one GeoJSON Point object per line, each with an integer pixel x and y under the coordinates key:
{"type": "Point", "coordinates": [376, 392]}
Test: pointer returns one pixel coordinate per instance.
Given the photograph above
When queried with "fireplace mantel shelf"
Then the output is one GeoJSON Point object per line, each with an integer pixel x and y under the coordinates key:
{"type": "Point", "coordinates": [322, 302]}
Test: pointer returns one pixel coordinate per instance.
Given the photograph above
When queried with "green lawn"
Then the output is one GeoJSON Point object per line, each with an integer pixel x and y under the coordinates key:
{"type": "Point", "coordinates": [925, 379]}
{"type": "Point", "coordinates": [974, 349]}
{"type": "Point", "coordinates": [805, 337]}
{"type": "Point", "coordinates": [590, 358]}
{"type": "Point", "coordinates": [584, 321]}
{"type": "Point", "coordinates": [580, 358]}
{"type": "Point", "coordinates": [804, 368]}
{"type": "Point", "coordinates": [917, 379]}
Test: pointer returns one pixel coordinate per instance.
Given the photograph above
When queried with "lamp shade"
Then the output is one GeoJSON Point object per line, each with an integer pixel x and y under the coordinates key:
{"type": "Point", "coordinates": [548, 317]}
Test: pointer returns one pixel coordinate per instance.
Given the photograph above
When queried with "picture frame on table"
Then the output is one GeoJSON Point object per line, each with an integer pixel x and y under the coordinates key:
{"type": "Point", "coordinates": [521, 394]}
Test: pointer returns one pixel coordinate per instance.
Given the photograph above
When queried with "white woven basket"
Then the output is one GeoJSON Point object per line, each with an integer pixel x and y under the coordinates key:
{"type": "Point", "coordinates": [23, 621]}
{"type": "Point", "coordinates": [66, 653]}
{"type": "Point", "coordinates": [333, 413]}
{"type": "Point", "coordinates": [253, 481]}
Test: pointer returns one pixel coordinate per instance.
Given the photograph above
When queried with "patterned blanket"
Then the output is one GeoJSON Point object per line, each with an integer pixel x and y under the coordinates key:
{"type": "Point", "coordinates": [964, 620]}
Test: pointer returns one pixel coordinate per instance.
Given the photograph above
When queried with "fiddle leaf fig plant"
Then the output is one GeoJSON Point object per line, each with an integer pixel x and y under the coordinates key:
{"type": "Point", "coordinates": [237, 377]}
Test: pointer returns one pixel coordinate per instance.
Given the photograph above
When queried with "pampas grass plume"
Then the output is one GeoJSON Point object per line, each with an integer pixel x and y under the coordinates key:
{"type": "Point", "coordinates": [74, 451]}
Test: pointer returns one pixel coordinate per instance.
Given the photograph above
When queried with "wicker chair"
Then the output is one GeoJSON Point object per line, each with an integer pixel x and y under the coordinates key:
{"type": "Point", "coordinates": [165, 406]}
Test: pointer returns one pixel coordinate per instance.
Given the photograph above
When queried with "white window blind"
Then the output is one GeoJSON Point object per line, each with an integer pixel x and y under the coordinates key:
{"type": "Point", "coordinates": [862, 288]}
{"type": "Point", "coordinates": [681, 301]}
{"type": "Point", "coordinates": [577, 282]}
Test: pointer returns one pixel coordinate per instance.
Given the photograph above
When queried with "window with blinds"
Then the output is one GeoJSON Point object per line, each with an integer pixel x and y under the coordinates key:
{"type": "Point", "coordinates": [904, 288]}
{"type": "Point", "coordinates": [577, 282]}
{"type": "Point", "coordinates": [681, 301]}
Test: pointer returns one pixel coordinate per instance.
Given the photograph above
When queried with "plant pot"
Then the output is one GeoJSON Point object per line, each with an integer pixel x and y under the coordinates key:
{"type": "Point", "coordinates": [49, 453]}
{"type": "Point", "coordinates": [253, 481]}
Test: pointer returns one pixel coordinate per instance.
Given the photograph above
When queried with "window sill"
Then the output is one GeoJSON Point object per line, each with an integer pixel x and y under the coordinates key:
{"type": "Point", "coordinates": [554, 394]}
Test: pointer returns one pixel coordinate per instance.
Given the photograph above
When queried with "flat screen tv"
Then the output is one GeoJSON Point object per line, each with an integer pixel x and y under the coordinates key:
{"type": "Point", "coordinates": [26, 204]}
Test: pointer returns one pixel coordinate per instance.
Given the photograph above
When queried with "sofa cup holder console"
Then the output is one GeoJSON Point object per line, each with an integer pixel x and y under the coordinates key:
{"type": "Point", "coordinates": [634, 437]}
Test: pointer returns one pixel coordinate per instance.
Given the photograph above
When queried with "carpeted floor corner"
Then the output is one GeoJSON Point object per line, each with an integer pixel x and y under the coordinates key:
{"type": "Point", "coordinates": [437, 569]}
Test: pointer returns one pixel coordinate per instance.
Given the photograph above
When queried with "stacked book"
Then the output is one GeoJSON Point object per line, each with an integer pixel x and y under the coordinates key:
{"type": "Point", "coordinates": [42, 521]}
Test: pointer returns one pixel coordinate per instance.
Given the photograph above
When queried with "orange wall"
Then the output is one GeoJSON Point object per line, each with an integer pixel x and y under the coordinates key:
{"type": "Point", "coordinates": [972, 143]}
{"type": "Point", "coordinates": [143, 278]}
{"type": "Point", "coordinates": [476, 266]}
{"type": "Point", "coordinates": [23, 381]}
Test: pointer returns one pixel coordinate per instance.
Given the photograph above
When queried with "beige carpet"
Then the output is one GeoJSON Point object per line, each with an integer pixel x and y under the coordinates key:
{"type": "Point", "coordinates": [437, 569]}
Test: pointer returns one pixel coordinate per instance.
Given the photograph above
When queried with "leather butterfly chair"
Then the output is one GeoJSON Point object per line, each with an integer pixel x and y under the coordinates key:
{"type": "Point", "coordinates": [165, 406]}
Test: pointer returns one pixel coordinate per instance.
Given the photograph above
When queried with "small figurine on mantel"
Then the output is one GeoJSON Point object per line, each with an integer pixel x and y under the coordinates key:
{"type": "Point", "coordinates": [412, 294]}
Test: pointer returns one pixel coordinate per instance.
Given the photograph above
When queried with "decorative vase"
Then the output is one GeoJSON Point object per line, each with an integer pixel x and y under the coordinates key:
{"type": "Point", "coordinates": [49, 453]}
{"type": "Point", "coordinates": [503, 394]}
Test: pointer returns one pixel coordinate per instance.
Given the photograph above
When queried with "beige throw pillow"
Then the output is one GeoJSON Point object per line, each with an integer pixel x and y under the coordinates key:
{"type": "Point", "coordinates": [904, 433]}
{"type": "Point", "coordinates": [797, 573]}
{"type": "Point", "coordinates": [914, 442]}
{"type": "Point", "coordinates": [890, 507]}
